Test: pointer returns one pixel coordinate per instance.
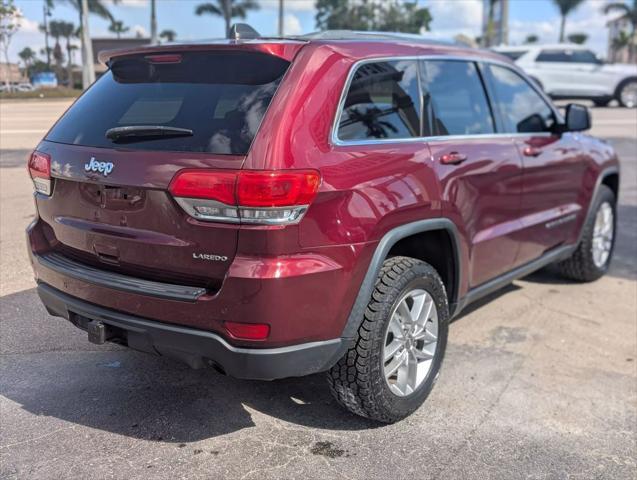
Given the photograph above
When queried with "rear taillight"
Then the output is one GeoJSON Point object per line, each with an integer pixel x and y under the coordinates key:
{"type": "Point", "coordinates": [40, 171]}
{"type": "Point", "coordinates": [260, 197]}
{"type": "Point", "coordinates": [277, 189]}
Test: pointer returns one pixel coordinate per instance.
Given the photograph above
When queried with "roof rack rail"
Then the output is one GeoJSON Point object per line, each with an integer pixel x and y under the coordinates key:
{"type": "Point", "coordinates": [371, 35]}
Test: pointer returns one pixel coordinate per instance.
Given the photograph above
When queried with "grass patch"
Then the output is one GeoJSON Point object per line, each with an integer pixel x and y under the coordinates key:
{"type": "Point", "coordinates": [60, 92]}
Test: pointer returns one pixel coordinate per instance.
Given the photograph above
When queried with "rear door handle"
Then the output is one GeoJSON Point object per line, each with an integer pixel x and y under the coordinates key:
{"type": "Point", "coordinates": [452, 158]}
{"type": "Point", "coordinates": [531, 152]}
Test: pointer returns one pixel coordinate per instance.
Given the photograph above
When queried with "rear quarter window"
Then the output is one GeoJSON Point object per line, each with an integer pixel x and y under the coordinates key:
{"type": "Point", "coordinates": [221, 96]}
{"type": "Point", "coordinates": [382, 102]}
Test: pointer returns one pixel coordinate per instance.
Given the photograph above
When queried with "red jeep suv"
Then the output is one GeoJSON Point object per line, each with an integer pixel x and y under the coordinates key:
{"type": "Point", "coordinates": [327, 203]}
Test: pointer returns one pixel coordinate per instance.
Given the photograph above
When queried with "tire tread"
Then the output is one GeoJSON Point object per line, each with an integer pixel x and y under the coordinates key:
{"type": "Point", "coordinates": [353, 381]}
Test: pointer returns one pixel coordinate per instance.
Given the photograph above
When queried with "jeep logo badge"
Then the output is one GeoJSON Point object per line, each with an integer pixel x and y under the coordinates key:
{"type": "Point", "coordinates": [102, 167]}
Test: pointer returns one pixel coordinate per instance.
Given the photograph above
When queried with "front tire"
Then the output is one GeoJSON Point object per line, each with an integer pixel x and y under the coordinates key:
{"type": "Point", "coordinates": [594, 253]}
{"type": "Point", "coordinates": [627, 93]}
{"type": "Point", "coordinates": [393, 363]}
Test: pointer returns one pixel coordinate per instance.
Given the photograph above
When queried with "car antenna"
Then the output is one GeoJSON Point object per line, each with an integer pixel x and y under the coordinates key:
{"type": "Point", "coordinates": [243, 31]}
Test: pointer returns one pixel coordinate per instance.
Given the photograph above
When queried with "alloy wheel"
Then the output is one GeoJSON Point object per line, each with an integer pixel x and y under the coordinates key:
{"type": "Point", "coordinates": [410, 342]}
{"type": "Point", "coordinates": [603, 233]}
{"type": "Point", "coordinates": [628, 95]}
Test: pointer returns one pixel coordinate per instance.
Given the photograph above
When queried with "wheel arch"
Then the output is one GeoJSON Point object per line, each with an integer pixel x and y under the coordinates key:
{"type": "Point", "coordinates": [404, 239]}
{"type": "Point", "coordinates": [611, 180]}
{"type": "Point", "coordinates": [609, 177]}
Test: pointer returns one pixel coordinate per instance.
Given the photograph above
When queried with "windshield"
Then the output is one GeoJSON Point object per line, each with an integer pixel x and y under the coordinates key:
{"type": "Point", "coordinates": [221, 97]}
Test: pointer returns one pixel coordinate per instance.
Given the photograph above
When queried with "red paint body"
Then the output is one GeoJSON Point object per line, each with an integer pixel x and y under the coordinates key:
{"type": "Point", "coordinates": [302, 279]}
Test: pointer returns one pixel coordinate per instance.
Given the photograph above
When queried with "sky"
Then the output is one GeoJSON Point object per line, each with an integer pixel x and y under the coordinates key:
{"type": "Point", "coordinates": [450, 17]}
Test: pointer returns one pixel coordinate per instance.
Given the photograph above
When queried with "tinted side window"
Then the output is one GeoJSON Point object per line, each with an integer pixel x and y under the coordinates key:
{"type": "Point", "coordinates": [521, 107]}
{"type": "Point", "coordinates": [567, 56]}
{"type": "Point", "coordinates": [584, 56]}
{"type": "Point", "coordinates": [453, 99]}
{"type": "Point", "coordinates": [382, 102]}
{"type": "Point", "coordinates": [553, 56]}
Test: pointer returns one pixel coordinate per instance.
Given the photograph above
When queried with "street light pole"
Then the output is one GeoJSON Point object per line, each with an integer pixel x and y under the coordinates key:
{"type": "Point", "coordinates": [504, 22]}
{"type": "Point", "coordinates": [88, 67]}
{"type": "Point", "coordinates": [46, 12]}
{"type": "Point", "coordinates": [281, 29]}
{"type": "Point", "coordinates": [153, 22]}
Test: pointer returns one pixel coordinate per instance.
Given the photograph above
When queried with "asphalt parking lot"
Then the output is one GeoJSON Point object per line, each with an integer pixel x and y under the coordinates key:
{"type": "Point", "coordinates": [540, 379]}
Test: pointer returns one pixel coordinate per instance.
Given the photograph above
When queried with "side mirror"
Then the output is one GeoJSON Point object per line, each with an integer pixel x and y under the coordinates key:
{"type": "Point", "coordinates": [577, 118]}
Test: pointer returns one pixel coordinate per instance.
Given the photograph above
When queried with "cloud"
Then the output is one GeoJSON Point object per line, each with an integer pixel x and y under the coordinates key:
{"type": "Point", "coordinates": [588, 19]}
{"type": "Point", "coordinates": [28, 26]}
{"type": "Point", "coordinates": [458, 15]}
{"type": "Point", "coordinates": [290, 5]}
{"type": "Point", "coordinates": [130, 3]}
{"type": "Point", "coordinates": [139, 31]}
{"type": "Point", "coordinates": [292, 24]}
{"type": "Point", "coordinates": [451, 18]}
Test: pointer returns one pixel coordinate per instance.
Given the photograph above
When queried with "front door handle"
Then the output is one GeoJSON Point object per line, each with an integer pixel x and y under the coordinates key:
{"type": "Point", "coordinates": [452, 158]}
{"type": "Point", "coordinates": [531, 152]}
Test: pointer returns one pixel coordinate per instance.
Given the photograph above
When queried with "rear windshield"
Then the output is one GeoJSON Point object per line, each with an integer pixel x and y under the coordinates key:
{"type": "Point", "coordinates": [220, 96]}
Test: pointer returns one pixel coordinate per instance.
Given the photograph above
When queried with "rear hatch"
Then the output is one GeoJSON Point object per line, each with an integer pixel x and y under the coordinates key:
{"type": "Point", "coordinates": [115, 151]}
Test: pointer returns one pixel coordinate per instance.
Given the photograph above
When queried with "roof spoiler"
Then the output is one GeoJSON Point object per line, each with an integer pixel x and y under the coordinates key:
{"type": "Point", "coordinates": [242, 31]}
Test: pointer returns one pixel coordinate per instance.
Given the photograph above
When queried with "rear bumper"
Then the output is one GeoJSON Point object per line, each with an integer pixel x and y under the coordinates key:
{"type": "Point", "coordinates": [304, 297]}
{"type": "Point", "coordinates": [198, 348]}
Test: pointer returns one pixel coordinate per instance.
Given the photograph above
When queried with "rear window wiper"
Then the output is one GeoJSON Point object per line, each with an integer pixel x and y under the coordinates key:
{"type": "Point", "coordinates": [133, 132]}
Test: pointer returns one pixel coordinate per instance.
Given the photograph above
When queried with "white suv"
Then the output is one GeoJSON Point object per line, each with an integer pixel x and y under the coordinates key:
{"type": "Point", "coordinates": [574, 71]}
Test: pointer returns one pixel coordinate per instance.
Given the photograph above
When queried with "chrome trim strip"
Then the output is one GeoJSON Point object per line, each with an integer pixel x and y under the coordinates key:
{"type": "Point", "coordinates": [237, 214]}
{"type": "Point", "coordinates": [335, 141]}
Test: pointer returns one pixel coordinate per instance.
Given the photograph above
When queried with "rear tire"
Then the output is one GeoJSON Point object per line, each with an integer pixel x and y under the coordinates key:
{"type": "Point", "coordinates": [595, 251]}
{"type": "Point", "coordinates": [601, 102]}
{"type": "Point", "coordinates": [360, 381]}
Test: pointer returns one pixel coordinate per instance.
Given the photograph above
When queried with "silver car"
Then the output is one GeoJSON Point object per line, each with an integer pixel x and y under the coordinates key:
{"type": "Point", "coordinates": [574, 71]}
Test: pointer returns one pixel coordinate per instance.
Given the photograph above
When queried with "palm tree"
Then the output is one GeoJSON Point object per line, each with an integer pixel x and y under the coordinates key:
{"type": "Point", "coordinates": [56, 31]}
{"type": "Point", "coordinates": [68, 31]}
{"type": "Point", "coordinates": [117, 27]}
{"type": "Point", "coordinates": [531, 39]}
{"type": "Point", "coordinates": [488, 37]}
{"type": "Point", "coordinates": [84, 8]}
{"type": "Point", "coordinates": [621, 41]}
{"type": "Point", "coordinates": [168, 35]}
{"type": "Point", "coordinates": [566, 7]}
{"type": "Point", "coordinates": [628, 13]}
{"type": "Point", "coordinates": [577, 38]}
{"type": "Point", "coordinates": [228, 9]}
{"type": "Point", "coordinates": [27, 56]}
